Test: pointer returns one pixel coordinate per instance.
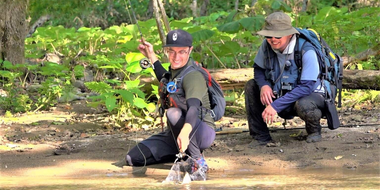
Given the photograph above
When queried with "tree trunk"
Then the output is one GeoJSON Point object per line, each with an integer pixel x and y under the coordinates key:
{"type": "Point", "coordinates": [304, 5]}
{"type": "Point", "coordinates": [194, 8]}
{"type": "Point", "coordinates": [203, 11]}
{"type": "Point", "coordinates": [13, 30]}
{"type": "Point", "coordinates": [236, 5]}
{"type": "Point", "coordinates": [164, 16]}
{"type": "Point", "coordinates": [157, 15]}
{"type": "Point", "coordinates": [149, 14]}
{"type": "Point", "coordinates": [236, 78]}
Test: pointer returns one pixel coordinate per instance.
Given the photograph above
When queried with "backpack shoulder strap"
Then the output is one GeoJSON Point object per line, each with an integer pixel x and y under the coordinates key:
{"type": "Point", "coordinates": [190, 68]}
{"type": "Point", "coordinates": [302, 46]}
{"type": "Point", "coordinates": [298, 51]}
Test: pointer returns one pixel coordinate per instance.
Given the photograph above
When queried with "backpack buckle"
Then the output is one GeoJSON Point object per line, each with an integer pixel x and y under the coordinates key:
{"type": "Point", "coordinates": [212, 113]}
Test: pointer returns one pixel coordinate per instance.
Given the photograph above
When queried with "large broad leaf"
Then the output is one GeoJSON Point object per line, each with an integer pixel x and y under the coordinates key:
{"type": "Point", "coordinates": [132, 84]}
{"type": "Point", "coordinates": [276, 5]}
{"type": "Point", "coordinates": [231, 27]}
{"type": "Point", "coordinates": [8, 74]}
{"type": "Point", "coordinates": [155, 88]}
{"type": "Point", "coordinates": [133, 60]}
{"type": "Point", "coordinates": [7, 65]}
{"type": "Point", "coordinates": [126, 95]}
{"type": "Point", "coordinates": [324, 13]}
{"type": "Point", "coordinates": [230, 47]}
{"type": "Point", "coordinates": [280, 5]}
{"type": "Point", "coordinates": [98, 87]}
{"type": "Point", "coordinates": [231, 16]}
{"type": "Point", "coordinates": [134, 67]}
{"type": "Point", "coordinates": [123, 39]}
{"type": "Point", "coordinates": [139, 93]}
{"type": "Point", "coordinates": [132, 57]}
{"type": "Point", "coordinates": [253, 23]}
{"type": "Point", "coordinates": [140, 103]}
{"type": "Point", "coordinates": [202, 35]}
{"type": "Point", "coordinates": [179, 23]}
{"type": "Point", "coordinates": [132, 29]}
{"type": "Point", "coordinates": [50, 69]}
{"type": "Point", "coordinates": [112, 65]}
{"type": "Point", "coordinates": [151, 107]}
{"type": "Point", "coordinates": [110, 103]}
{"type": "Point", "coordinates": [79, 71]}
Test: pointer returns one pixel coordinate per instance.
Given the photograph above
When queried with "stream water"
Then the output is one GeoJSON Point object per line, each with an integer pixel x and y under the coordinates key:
{"type": "Point", "coordinates": [152, 178]}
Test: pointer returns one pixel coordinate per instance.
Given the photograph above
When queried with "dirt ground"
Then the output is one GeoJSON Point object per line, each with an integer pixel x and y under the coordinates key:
{"type": "Point", "coordinates": [75, 132]}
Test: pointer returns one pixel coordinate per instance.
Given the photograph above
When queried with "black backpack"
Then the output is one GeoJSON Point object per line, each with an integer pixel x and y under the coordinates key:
{"type": "Point", "coordinates": [215, 92]}
{"type": "Point", "coordinates": [331, 67]}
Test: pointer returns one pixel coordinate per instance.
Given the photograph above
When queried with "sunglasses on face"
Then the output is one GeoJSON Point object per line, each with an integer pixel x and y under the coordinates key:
{"type": "Point", "coordinates": [270, 37]}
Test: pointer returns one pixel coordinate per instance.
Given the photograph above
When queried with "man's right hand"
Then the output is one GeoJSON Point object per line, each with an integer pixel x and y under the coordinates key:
{"type": "Point", "coordinates": [146, 49]}
{"type": "Point", "coordinates": [266, 95]}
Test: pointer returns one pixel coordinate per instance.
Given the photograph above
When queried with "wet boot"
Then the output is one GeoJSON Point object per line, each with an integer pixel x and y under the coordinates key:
{"type": "Point", "coordinates": [311, 114]}
{"type": "Point", "coordinates": [314, 132]}
{"type": "Point", "coordinates": [199, 169]}
{"type": "Point", "coordinates": [314, 137]}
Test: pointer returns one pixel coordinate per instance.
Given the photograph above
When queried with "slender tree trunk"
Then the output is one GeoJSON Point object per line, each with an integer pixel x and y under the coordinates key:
{"type": "Point", "coordinates": [164, 16]}
{"type": "Point", "coordinates": [304, 5]}
{"type": "Point", "coordinates": [158, 17]}
{"type": "Point", "coordinates": [194, 8]}
{"type": "Point", "coordinates": [13, 30]}
{"type": "Point", "coordinates": [149, 14]}
{"type": "Point", "coordinates": [203, 11]}
{"type": "Point", "coordinates": [236, 5]}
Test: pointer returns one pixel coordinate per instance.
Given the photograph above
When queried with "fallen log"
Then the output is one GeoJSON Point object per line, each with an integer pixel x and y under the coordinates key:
{"type": "Point", "coordinates": [352, 79]}
{"type": "Point", "coordinates": [233, 79]}
{"type": "Point", "coordinates": [362, 56]}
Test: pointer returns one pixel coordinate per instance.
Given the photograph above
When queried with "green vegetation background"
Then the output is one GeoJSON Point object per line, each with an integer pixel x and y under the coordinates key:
{"type": "Point", "coordinates": [100, 36]}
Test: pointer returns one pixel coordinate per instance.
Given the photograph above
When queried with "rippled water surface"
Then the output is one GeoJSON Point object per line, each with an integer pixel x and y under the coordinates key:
{"type": "Point", "coordinates": [152, 178]}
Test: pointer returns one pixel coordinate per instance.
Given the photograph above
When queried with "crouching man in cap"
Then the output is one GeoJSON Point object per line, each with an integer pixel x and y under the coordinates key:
{"type": "Point", "coordinates": [279, 87]}
{"type": "Point", "coordinates": [186, 132]}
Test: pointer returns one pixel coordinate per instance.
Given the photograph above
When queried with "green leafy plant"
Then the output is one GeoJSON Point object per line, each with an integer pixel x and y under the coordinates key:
{"type": "Point", "coordinates": [16, 100]}
{"type": "Point", "coordinates": [223, 39]}
{"type": "Point", "coordinates": [49, 93]}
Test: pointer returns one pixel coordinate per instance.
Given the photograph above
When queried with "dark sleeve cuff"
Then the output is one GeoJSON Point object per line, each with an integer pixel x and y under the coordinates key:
{"type": "Point", "coordinates": [192, 111]}
{"type": "Point", "coordinates": [259, 76]}
{"type": "Point", "coordinates": [159, 70]}
{"type": "Point", "coordinates": [305, 88]}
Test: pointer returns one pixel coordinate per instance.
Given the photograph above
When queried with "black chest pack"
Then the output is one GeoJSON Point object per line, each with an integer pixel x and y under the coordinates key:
{"type": "Point", "coordinates": [331, 71]}
{"type": "Point", "coordinates": [172, 94]}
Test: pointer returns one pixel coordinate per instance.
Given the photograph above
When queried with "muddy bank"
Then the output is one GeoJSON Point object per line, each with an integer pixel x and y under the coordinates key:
{"type": "Point", "coordinates": [66, 144]}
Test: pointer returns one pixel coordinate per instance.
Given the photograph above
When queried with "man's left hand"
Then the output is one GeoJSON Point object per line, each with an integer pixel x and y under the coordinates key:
{"type": "Point", "coordinates": [269, 114]}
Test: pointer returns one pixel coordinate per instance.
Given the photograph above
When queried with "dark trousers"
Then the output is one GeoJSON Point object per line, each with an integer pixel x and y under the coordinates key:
{"type": "Point", "coordinates": [309, 108]}
{"type": "Point", "coordinates": [162, 147]}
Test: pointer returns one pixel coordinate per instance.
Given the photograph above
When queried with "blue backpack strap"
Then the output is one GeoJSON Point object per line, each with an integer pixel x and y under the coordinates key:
{"type": "Point", "coordinates": [303, 45]}
{"type": "Point", "coordinates": [298, 51]}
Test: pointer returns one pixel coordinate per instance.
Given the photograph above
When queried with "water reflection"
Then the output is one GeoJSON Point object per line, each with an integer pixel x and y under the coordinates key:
{"type": "Point", "coordinates": [247, 178]}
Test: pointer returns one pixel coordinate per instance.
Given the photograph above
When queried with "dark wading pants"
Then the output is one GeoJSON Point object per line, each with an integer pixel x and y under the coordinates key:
{"type": "Point", "coordinates": [309, 108]}
{"type": "Point", "coordinates": [162, 147]}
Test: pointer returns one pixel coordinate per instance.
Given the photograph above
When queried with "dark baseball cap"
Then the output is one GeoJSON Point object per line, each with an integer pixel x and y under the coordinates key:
{"type": "Point", "coordinates": [178, 38]}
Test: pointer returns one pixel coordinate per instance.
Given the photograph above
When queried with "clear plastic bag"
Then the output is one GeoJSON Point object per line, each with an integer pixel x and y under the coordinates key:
{"type": "Point", "coordinates": [182, 172]}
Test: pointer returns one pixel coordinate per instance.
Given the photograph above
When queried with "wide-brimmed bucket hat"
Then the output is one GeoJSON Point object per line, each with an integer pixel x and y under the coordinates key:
{"type": "Point", "coordinates": [278, 24]}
